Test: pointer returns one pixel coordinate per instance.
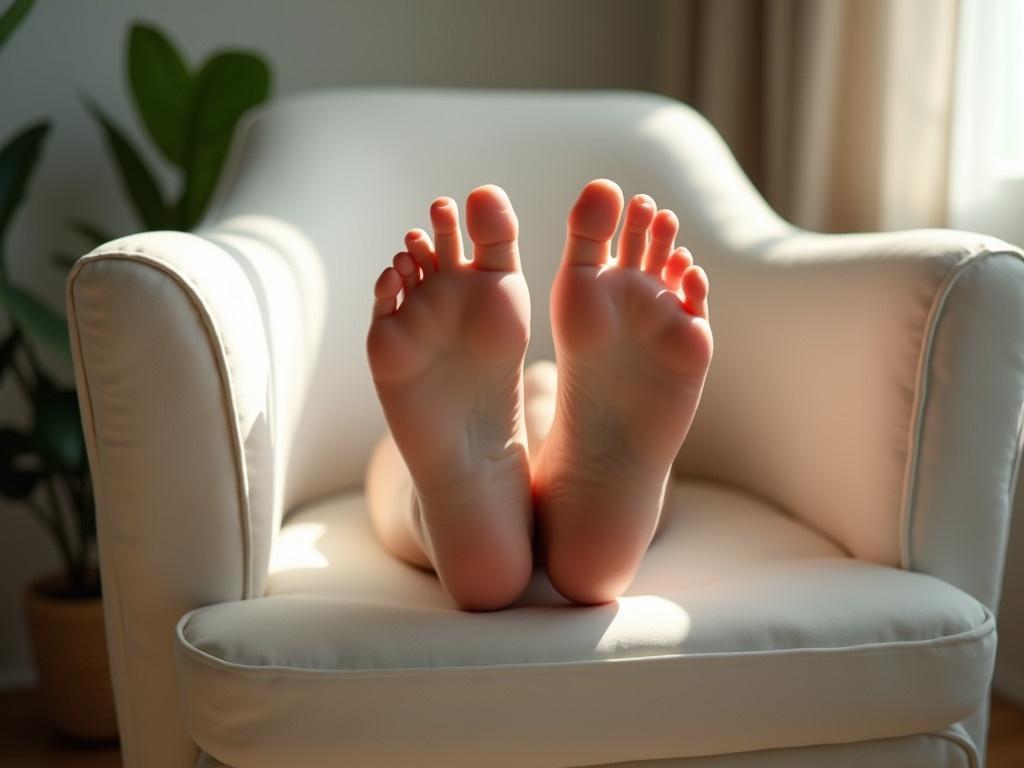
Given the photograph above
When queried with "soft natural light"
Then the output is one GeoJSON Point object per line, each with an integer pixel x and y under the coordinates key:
{"type": "Point", "coordinates": [290, 266]}
{"type": "Point", "coordinates": [1009, 67]}
{"type": "Point", "coordinates": [645, 620]}
{"type": "Point", "coordinates": [296, 548]}
{"type": "Point", "coordinates": [986, 188]}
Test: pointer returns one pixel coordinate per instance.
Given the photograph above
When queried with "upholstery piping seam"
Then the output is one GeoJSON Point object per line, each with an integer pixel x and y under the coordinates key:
{"type": "Point", "coordinates": [218, 350]}
{"type": "Point", "coordinates": [966, 638]}
{"type": "Point", "coordinates": [957, 735]}
{"type": "Point", "coordinates": [935, 315]}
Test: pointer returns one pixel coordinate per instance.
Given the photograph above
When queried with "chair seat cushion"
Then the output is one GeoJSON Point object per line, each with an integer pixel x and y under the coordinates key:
{"type": "Point", "coordinates": [743, 630]}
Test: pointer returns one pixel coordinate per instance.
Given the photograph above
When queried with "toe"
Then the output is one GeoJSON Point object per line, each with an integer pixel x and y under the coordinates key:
{"type": "Point", "coordinates": [444, 216]}
{"type": "Point", "coordinates": [636, 231]}
{"type": "Point", "coordinates": [417, 242]}
{"type": "Point", "coordinates": [695, 291]}
{"type": "Point", "coordinates": [493, 228]}
{"type": "Point", "coordinates": [663, 237]}
{"type": "Point", "coordinates": [385, 292]}
{"type": "Point", "coordinates": [406, 267]}
{"type": "Point", "coordinates": [673, 273]}
{"type": "Point", "coordinates": [592, 222]}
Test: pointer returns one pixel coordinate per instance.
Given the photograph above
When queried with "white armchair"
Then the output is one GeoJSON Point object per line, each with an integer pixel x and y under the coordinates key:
{"type": "Point", "coordinates": [823, 592]}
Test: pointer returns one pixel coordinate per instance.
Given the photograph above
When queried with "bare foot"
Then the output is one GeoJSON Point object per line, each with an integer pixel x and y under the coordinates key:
{"type": "Point", "coordinates": [633, 345]}
{"type": "Point", "coordinates": [447, 362]}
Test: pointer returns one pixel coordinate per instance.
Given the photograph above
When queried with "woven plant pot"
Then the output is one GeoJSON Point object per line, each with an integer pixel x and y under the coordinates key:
{"type": "Point", "coordinates": [71, 655]}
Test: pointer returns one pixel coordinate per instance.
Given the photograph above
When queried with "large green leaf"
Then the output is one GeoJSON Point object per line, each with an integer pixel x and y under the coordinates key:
{"type": "Point", "coordinates": [228, 85]}
{"type": "Point", "coordinates": [18, 473]}
{"type": "Point", "coordinates": [34, 317]}
{"type": "Point", "coordinates": [162, 88]}
{"type": "Point", "coordinates": [57, 429]}
{"type": "Point", "coordinates": [17, 160]}
{"type": "Point", "coordinates": [138, 180]}
{"type": "Point", "coordinates": [12, 18]}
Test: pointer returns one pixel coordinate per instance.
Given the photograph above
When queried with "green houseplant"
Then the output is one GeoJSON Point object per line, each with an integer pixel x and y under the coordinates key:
{"type": "Point", "coordinates": [46, 459]}
{"type": "Point", "coordinates": [191, 117]}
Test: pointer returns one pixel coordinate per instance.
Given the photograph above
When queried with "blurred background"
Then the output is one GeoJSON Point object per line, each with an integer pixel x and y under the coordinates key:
{"type": "Point", "coordinates": [867, 115]}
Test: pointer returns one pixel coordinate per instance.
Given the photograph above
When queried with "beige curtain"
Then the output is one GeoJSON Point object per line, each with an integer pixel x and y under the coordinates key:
{"type": "Point", "coordinates": [839, 110]}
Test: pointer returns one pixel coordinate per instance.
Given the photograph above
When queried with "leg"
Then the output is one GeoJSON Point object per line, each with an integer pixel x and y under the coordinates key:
{"type": "Point", "coordinates": [633, 345]}
{"type": "Point", "coordinates": [394, 509]}
{"type": "Point", "coordinates": [447, 365]}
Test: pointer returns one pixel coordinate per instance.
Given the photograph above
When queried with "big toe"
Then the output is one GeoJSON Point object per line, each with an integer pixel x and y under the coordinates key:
{"type": "Point", "coordinates": [592, 222]}
{"type": "Point", "coordinates": [493, 228]}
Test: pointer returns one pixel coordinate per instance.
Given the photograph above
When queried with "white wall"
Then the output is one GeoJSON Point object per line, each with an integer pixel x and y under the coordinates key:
{"type": "Point", "coordinates": [67, 47]}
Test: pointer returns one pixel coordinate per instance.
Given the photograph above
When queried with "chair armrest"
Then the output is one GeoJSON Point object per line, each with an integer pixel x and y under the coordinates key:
{"type": "Point", "coordinates": [872, 385]}
{"type": "Point", "coordinates": [186, 413]}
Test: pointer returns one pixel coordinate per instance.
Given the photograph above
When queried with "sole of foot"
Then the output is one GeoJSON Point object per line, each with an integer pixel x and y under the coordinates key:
{"type": "Point", "coordinates": [633, 345]}
{"type": "Point", "coordinates": [446, 347]}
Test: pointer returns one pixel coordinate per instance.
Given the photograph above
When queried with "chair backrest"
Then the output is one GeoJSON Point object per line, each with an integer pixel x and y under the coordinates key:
{"type": "Point", "coordinates": [346, 172]}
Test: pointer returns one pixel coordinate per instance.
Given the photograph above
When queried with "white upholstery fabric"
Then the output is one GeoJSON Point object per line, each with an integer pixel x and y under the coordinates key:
{"type": "Point", "coordinates": [870, 385]}
{"type": "Point", "coordinates": [856, 362]}
{"type": "Point", "coordinates": [165, 460]}
{"type": "Point", "coordinates": [733, 598]}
